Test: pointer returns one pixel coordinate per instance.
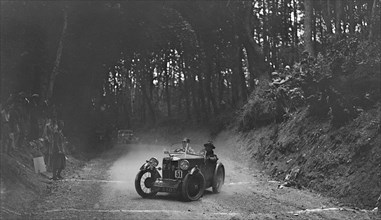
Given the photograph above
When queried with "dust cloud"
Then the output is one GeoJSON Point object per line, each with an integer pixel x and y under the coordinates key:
{"type": "Point", "coordinates": [132, 156]}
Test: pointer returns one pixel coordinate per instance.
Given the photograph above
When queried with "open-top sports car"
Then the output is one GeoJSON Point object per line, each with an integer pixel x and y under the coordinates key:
{"type": "Point", "coordinates": [183, 172]}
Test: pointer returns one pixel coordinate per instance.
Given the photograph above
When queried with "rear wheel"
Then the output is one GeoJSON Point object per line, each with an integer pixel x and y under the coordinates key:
{"type": "Point", "coordinates": [193, 186]}
{"type": "Point", "coordinates": [143, 183]}
{"type": "Point", "coordinates": [219, 180]}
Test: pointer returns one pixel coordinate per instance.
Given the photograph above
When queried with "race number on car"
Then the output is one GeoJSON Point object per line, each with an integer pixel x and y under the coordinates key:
{"type": "Point", "coordinates": [178, 174]}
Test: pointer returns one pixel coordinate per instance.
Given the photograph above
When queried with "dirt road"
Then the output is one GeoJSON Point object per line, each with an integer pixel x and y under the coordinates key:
{"type": "Point", "coordinates": [104, 189]}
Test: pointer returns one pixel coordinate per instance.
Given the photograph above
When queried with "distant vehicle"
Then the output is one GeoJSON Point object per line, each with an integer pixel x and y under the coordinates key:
{"type": "Point", "coordinates": [103, 138]}
{"type": "Point", "coordinates": [187, 174]}
{"type": "Point", "coordinates": [126, 137]}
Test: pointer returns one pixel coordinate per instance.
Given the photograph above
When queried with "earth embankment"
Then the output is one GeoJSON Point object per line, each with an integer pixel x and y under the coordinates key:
{"type": "Point", "coordinates": [306, 152]}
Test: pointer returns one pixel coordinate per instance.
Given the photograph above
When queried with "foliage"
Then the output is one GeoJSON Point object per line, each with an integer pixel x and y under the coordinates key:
{"type": "Point", "coordinates": [341, 82]}
{"type": "Point", "coordinates": [133, 62]}
{"type": "Point", "coordinates": [346, 78]}
{"type": "Point", "coordinates": [260, 109]}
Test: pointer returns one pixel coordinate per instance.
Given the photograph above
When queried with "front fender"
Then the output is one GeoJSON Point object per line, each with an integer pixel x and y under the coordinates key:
{"type": "Point", "coordinates": [194, 170]}
{"type": "Point", "coordinates": [145, 166]}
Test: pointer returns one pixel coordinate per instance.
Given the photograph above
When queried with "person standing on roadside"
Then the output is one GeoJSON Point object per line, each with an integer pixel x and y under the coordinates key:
{"type": "Point", "coordinates": [58, 157]}
{"type": "Point", "coordinates": [47, 135]}
{"type": "Point", "coordinates": [5, 130]}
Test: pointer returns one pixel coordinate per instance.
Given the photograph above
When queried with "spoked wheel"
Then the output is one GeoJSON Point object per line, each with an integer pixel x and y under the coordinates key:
{"type": "Point", "coordinates": [193, 187]}
{"type": "Point", "coordinates": [143, 183]}
{"type": "Point", "coordinates": [219, 180]}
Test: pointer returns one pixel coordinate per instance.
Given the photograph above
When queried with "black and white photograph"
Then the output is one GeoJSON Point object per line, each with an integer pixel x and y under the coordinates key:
{"type": "Point", "coordinates": [190, 109]}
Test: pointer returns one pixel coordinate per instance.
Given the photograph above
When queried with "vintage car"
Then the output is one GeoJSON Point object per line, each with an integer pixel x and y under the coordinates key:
{"type": "Point", "coordinates": [102, 138]}
{"type": "Point", "coordinates": [185, 173]}
{"type": "Point", "coordinates": [126, 137]}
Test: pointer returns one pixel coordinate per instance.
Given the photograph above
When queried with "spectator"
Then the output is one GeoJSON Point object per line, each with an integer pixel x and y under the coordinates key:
{"type": "Point", "coordinates": [58, 159]}
{"type": "Point", "coordinates": [5, 130]}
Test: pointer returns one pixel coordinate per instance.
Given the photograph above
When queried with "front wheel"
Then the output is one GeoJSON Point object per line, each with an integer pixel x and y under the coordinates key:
{"type": "Point", "coordinates": [219, 180]}
{"type": "Point", "coordinates": [193, 186]}
{"type": "Point", "coordinates": [143, 183]}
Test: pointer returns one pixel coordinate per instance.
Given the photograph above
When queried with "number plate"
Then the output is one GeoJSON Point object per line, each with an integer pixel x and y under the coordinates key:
{"type": "Point", "coordinates": [178, 174]}
{"type": "Point", "coordinates": [167, 189]}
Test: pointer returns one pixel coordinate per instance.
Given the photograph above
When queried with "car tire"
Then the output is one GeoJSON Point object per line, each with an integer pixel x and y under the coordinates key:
{"type": "Point", "coordinates": [143, 183]}
{"type": "Point", "coordinates": [219, 179]}
{"type": "Point", "coordinates": [193, 186]}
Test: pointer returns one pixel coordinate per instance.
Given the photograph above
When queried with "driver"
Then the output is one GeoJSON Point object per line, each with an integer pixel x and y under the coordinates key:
{"type": "Point", "coordinates": [186, 146]}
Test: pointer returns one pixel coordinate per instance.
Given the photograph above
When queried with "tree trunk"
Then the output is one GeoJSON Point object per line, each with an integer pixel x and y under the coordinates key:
{"type": "Point", "coordinates": [339, 16]}
{"type": "Point", "coordinates": [201, 96]}
{"type": "Point", "coordinates": [372, 20]}
{"type": "Point", "coordinates": [255, 54]}
{"type": "Point", "coordinates": [167, 94]}
{"type": "Point", "coordinates": [195, 90]}
{"type": "Point", "coordinates": [235, 100]}
{"type": "Point", "coordinates": [352, 24]}
{"type": "Point", "coordinates": [295, 25]}
{"type": "Point", "coordinates": [285, 24]}
{"type": "Point", "coordinates": [180, 89]}
{"type": "Point", "coordinates": [186, 93]}
{"type": "Point", "coordinates": [242, 76]}
{"type": "Point", "coordinates": [266, 49]}
{"type": "Point", "coordinates": [321, 29]}
{"type": "Point", "coordinates": [327, 15]}
{"type": "Point", "coordinates": [208, 83]}
{"type": "Point", "coordinates": [149, 103]}
{"type": "Point", "coordinates": [308, 28]}
{"type": "Point", "coordinates": [314, 31]}
{"type": "Point", "coordinates": [220, 85]}
{"type": "Point", "coordinates": [146, 87]}
{"type": "Point", "coordinates": [259, 58]}
{"type": "Point", "coordinates": [251, 64]}
{"type": "Point", "coordinates": [142, 109]}
{"type": "Point", "coordinates": [57, 62]}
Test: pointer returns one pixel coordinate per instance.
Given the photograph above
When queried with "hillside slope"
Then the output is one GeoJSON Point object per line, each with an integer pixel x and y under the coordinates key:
{"type": "Point", "coordinates": [317, 124]}
{"type": "Point", "coordinates": [21, 187]}
{"type": "Point", "coordinates": [340, 162]}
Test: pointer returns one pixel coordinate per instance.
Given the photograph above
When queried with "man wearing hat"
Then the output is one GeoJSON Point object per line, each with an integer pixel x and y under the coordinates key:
{"type": "Point", "coordinates": [210, 157]}
{"type": "Point", "coordinates": [186, 147]}
{"type": "Point", "coordinates": [208, 152]}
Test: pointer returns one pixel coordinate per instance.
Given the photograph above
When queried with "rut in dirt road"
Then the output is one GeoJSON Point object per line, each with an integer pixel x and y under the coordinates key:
{"type": "Point", "coordinates": [104, 188]}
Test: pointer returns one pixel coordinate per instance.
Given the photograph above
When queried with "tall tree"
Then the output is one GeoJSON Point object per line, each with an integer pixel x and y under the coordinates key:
{"type": "Point", "coordinates": [255, 56]}
{"type": "Point", "coordinates": [327, 15]}
{"type": "Point", "coordinates": [57, 62]}
{"type": "Point", "coordinates": [339, 17]}
{"type": "Point", "coordinates": [308, 18]}
{"type": "Point", "coordinates": [295, 25]}
{"type": "Point", "coordinates": [373, 20]}
{"type": "Point", "coordinates": [351, 12]}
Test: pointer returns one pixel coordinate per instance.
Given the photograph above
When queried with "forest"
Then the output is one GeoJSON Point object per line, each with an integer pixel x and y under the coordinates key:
{"type": "Point", "coordinates": [128, 64]}
{"type": "Point", "coordinates": [288, 89]}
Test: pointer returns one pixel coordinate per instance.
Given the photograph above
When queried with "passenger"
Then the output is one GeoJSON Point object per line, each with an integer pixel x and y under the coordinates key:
{"type": "Point", "coordinates": [208, 152]}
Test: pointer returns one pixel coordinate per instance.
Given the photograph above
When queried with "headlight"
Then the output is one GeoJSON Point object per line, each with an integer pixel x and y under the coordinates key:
{"type": "Point", "coordinates": [154, 162]}
{"type": "Point", "coordinates": [184, 164]}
